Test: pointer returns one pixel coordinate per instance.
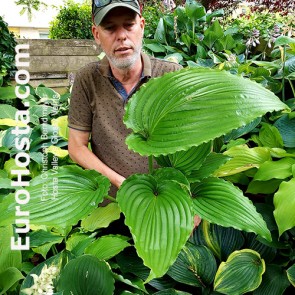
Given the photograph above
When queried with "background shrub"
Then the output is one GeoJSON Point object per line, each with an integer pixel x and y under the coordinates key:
{"type": "Point", "coordinates": [72, 22]}
{"type": "Point", "coordinates": [7, 53]}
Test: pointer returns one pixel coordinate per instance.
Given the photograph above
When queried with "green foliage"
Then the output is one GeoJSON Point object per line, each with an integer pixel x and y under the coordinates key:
{"type": "Point", "coordinates": [227, 151]}
{"type": "Point", "coordinates": [7, 53]}
{"type": "Point", "coordinates": [72, 22]}
{"type": "Point", "coordinates": [152, 12]}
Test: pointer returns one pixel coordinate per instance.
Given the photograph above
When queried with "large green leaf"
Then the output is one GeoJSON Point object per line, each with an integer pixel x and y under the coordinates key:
{"type": "Point", "coordinates": [280, 169]}
{"type": "Point", "coordinates": [62, 124]}
{"type": "Point", "coordinates": [130, 263]}
{"type": "Point", "coordinates": [210, 165]}
{"type": "Point", "coordinates": [133, 282]}
{"type": "Point", "coordinates": [269, 136]}
{"type": "Point", "coordinates": [284, 201]}
{"type": "Point", "coordinates": [291, 274]}
{"type": "Point", "coordinates": [241, 273]}
{"type": "Point", "coordinates": [7, 93]}
{"type": "Point", "coordinates": [222, 203]}
{"type": "Point", "coordinates": [86, 275]}
{"type": "Point", "coordinates": [286, 127]}
{"type": "Point", "coordinates": [159, 215]}
{"type": "Point", "coordinates": [78, 242]}
{"type": "Point", "coordinates": [274, 281]}
{"type": "Point", "coordinates": [194, 10]}
{"type": "Point", "coordinates": [243, 159]}
{"type": "Point", "coordinates": [220, 240]}
{"type": "Point", "coordinates": [8, 258]}
{"type": "Point", "coordinates": [160, 34]}
{"type": "Point", "coordinates": [9, 278]}
{"type": "Point", "coordinates": [101, 217]}
{"type": "Point", "coordinates": [107, 247]}
{"type": "Point", "coordinates": [59, 197]}
{"type": "Point", "coordinates": [47, 94]}
{"type": "Point", "coordinates": [7, 111]}
{"type": "Point", "coordinates": [186, 161]}
{"type": "Point", "coordinates": [192, 106]}
{"type": "Point", "coordinates": [195, 266]}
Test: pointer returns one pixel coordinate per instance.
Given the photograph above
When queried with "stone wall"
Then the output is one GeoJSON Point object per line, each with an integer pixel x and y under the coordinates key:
{"type": "Point", "coordinates": [53, 62]}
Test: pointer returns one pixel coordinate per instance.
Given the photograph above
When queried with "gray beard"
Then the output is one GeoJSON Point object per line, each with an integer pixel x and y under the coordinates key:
{"type": "Point", "coordinates": [125, 62]}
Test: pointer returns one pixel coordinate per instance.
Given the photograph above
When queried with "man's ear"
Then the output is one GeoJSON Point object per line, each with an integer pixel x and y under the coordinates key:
{"type": "Point", "coordinates": [142, 23]}
{"type": "Point", "coordinates": [95, 34]}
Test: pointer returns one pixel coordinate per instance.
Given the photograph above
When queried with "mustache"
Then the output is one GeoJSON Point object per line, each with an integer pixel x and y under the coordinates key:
{"type": "Point", "coordinates": [124, 47]}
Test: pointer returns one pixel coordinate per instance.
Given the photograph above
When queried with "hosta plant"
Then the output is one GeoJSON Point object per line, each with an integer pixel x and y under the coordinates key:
{"type": "Point", "coordinates": [175, 120]}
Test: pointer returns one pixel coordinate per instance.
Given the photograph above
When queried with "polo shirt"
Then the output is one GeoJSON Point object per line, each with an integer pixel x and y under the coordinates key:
{"type": "Point", "coordinates": [97, 106]}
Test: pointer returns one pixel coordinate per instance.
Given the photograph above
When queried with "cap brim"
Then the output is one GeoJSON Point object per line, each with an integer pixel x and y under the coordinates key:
{"type": "Point", "coordinates": [103, 12]}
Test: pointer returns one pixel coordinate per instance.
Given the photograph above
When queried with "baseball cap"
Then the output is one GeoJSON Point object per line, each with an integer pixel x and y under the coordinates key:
{"type": "Point", "coordinates": [101, 7]}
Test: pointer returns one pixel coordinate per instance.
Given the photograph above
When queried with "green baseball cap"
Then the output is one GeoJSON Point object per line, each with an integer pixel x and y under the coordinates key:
{"type": "Point", "coordinates": [100, 8]}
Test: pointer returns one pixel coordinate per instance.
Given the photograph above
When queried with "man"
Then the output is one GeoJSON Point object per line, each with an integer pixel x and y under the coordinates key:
{"type": "Point", "coordinates": [101, 90]}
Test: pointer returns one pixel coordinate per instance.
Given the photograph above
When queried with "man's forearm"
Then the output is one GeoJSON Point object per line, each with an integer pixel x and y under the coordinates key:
{"type": "Point", "coordinates": [84, 157]}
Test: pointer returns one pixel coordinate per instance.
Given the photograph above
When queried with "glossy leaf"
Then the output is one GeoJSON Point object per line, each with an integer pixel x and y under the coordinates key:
{"type": "Point", "coordinates": [62, 124]}
{"type": "Point", "coordinates": [97, 274]}
{"type": "Point", "coordinates": [286, 127]}
{"type": "Point", "coordinates": [179, 110]}
{"type": "Point", "coordinates": [263, 187]}
{"type": "Point", "coordinates": [57, 151]}
{"type": "Point", "coordinates": [159, 216]}
{"type": "Point", "coordinates": [77, 243]}
{"type": "Point", "coordinates": [9, 278]}
{"type": "Point", "coordinates": [47, 94]}
{"type": "Point", "coordinates": [101, 217]}
{"type": "Point", "coordinates": [160, 32]}
{"type": "Point", "coordinates": [241, 273]}
{"type": "Point", "coordinates": [59, 197]}
{"type": "Point", "coordinates": [171, 292]}
{"type": "Point", "coordinates": [220, 202]}
{"type": "Point", "coordinates": [194, 10]}
{"type": "Point", "coordinates": [280, 169]}
{"type": "Point", "coordinates": [220, 240]}
{"type": "Point", "coordinates": [242, 130]}
{"type": "Point", "coordinates": [135, 283]}
{"type": "Point", "coordinates": [11, 122]}
{"type": "Point", "coordinates": [8, 258]}
{"type": "Point", "coordinates": [209, 166]}
{"type": "Point", "coordinates": [7, 111]}
{"type": "Point", "coordinates": [7, 93]}
{"type": "Point", "coordinates": [243, 159]}
{"type": "Point", "coordinates": [107, 247]}
{"type": "Point", "coordinates": [284, 40]}
{"type": "Point", "coordinates": [266, 252]}
{"type": "Point", "coordinates": [269, 136]}
{"type": "Point", "coordinates": [195, 266]}
{"type": "Point", "coordinates": [291, 274]}
{"type": "Point", "coordinates": [274, 281]}
{"type": "Point", "coordinates": [285, 206]}
{"type": "Point", "coordinates": [186, 161]}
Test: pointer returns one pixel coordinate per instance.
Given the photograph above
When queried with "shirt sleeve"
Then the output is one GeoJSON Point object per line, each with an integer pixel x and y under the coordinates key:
{"type": "Point", "coordinates": [80, 111]}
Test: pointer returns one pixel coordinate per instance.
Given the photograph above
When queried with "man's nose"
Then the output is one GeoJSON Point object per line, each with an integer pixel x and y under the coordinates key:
{"type": "Point", "coordinates": [121, 33]}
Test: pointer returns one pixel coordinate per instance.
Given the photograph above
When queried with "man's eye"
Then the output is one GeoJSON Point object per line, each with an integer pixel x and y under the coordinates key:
{"type": "Point", "coordinates": [130, 25]}
{"type": "Point", "coordinates": [109, 28]}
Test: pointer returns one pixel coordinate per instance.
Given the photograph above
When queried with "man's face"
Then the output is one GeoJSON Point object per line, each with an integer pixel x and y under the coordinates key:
{"type": "Point", "coordinates": [120, 36]}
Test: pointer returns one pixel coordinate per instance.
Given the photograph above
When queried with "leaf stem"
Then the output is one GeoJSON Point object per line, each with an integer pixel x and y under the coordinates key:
{"type": "Point", "coordinates": [283, 79]}
{"type": "Point", "coordinates": [292, 87]}
{"type": "Point", "coordinates": [54, 250]}
{"type": "Point", "coordinates": [111, 199]}
{"type": "Point", "coordinates": [151, 166]}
